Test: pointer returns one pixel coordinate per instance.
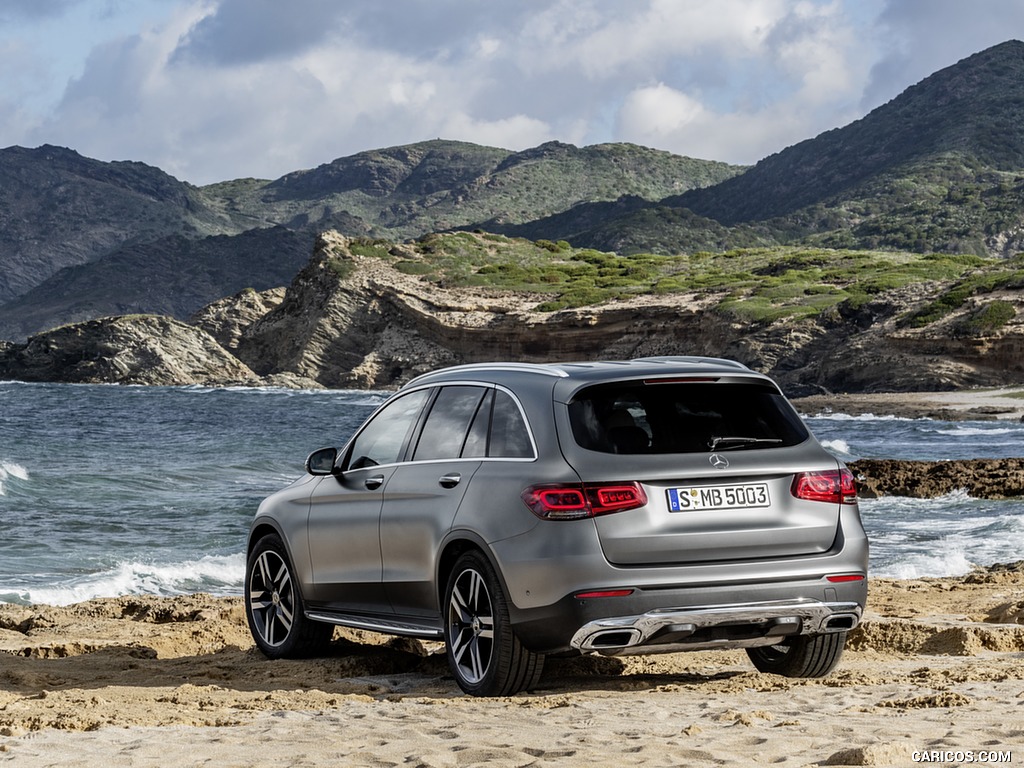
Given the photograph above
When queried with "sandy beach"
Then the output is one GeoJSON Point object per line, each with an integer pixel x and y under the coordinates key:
{"type": "Point", "coordinates": [938, 666]}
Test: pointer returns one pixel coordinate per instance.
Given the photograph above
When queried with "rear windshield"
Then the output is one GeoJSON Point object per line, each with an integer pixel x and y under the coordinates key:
{"type": "Point", "coordinates": [683, 417]}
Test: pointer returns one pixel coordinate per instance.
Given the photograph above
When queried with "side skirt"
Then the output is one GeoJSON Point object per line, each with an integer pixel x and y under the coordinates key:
{"type": "Point", "coordinates": [396, 626]}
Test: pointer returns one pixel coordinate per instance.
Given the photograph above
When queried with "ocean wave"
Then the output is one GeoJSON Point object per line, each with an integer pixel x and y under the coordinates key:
{"type": "Point", "coordinates": [218, 575]}
{"type": "Point", "coordinates": [8, 470]}
{"type": "Point", "coordinates": [860, 417]}
{"type": "Point", "coordinates": [977, 431]}
{"type": "Point", "coordinates": [837, 446]}
{"type": "Point", "coordinates": [922, 565]}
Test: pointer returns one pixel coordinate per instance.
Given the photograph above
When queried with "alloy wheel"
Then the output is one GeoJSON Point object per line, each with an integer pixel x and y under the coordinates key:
{"type": "Point", "coordinates": [271, 598]}
{"type": "Point", "coordinates": [471, 626]}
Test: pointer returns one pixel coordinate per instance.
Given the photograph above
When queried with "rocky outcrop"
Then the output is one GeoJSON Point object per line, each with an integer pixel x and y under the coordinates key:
{"type": "Point", "coordinates": [228, 318]}
{"type": "Point", "coordinates": [132, 349]}
{"type": "Point", "coordinates": [980, 478]}
{"type": "Point", "coordinates": [353, 320]}
{"type": "Point", "coordinates": [356, 321]}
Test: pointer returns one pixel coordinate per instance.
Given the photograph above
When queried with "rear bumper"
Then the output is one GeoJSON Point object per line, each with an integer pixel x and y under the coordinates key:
{"type": "Point", "coordinates": [740, 625]}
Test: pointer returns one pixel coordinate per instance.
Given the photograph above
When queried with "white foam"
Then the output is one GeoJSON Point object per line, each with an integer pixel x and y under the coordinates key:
{"type": "Point", "coordinates": [837, 445]}
{"type": "Point", "coordinates": [8, 469]}
{"type": "Point", "coordinates": [977, 431]}
{"type": "Point", "coordinates": [220, 575]}
{"type": "Point", "coordinates": [860, 417]}
{"type": "Point", "coordinates": [914, 566]}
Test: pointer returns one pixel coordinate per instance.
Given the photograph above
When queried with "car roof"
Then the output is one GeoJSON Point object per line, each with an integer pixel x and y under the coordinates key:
{"type": "Point", "coordinates": [586, 371]}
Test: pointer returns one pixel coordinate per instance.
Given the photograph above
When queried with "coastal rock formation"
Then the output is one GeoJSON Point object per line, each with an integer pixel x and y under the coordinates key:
{"type": "Point", "coordinates": [980, 478]}
{"type": "Point", "coordinates": [359, 320]}
{"type": "Point", "coordinates": [226, 319]}
{"type": "Point", "coordinates": [356, 321]}
{"type": "Point", "coordinates": [350, 320]}
{"type": "Point", "coordinates": [132, 349]}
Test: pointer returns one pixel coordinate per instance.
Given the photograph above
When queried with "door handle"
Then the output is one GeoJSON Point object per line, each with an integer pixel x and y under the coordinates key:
{"type": "Point", "coordinates": [373, 483]}
{"type": "Point", "coordinates": [450, 481]}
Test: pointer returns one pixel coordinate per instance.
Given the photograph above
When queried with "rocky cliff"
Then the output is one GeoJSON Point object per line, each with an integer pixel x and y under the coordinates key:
{"type": "Point", "coordinates": [357, 321]}
{"type": "Point", "coordinates": [353, 320]}
{"type": "Point", "coordinates": [132, 349]}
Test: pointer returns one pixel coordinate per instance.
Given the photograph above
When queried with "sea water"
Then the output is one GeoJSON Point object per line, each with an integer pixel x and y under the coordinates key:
{"type": "Point", "coordinates": [112, 490]}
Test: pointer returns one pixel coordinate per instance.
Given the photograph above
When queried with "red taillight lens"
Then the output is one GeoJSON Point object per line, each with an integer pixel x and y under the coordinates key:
{"type": "Point", "coordinates": [572, 502]}
{"type": "Point", "coordinates": [835, 486]}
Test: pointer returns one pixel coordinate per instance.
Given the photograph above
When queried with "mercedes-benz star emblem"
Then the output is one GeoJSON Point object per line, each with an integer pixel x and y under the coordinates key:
{"type": "Point", "coordinates": [718, 461]}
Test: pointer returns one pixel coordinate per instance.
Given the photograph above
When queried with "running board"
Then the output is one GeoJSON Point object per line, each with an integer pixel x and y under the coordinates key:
{"type": "Point", "coordinates": [377, 625]}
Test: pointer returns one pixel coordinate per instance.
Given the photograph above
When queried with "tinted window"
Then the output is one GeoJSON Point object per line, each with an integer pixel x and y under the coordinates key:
{"type": "Point", "coordinates": [382, 440]}
{"type": "Point", "coordinates": [634, 417]}
{"type": "Point", "coordinates": [476, 440]}
{"type": "Point", "coordinates": [509, 435]}
{"type": "Point", "coordinates": [445, 430]}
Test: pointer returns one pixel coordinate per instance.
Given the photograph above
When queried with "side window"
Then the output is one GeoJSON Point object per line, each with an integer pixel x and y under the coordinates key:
{"type": "Point", "coordinates": [509, 437]}
{"type": "Point", "coordinates": [381, 441]}
{"type": "Point", "coordinates": [476, 440]}
{"type": "Point", "coordinates": [444, 432]}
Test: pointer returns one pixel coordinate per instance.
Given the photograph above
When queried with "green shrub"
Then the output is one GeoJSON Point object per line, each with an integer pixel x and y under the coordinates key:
{"type": "Point", "coordinates": [988, 318]}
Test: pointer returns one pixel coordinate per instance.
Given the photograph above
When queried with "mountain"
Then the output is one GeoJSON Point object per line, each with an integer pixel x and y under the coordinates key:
{"type": "Point", "coordinates": [938, 168]}
{"type": "Point", "coordinates": [432, 186]}
{"type": "Point", "coordinates": [59, 209]}
{"type": "Point", "coordinates": [173, 275]}
{"type": "Point", "coordinates": [80, 238]}
{"type": "Point", "coordinates": [972, 111]}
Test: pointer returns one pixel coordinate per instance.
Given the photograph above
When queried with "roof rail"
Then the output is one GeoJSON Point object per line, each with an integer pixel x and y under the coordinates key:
{"type": "Point", "coordinates": [692, 360]}
{"type": "Point", "coordinates": [543, 369]}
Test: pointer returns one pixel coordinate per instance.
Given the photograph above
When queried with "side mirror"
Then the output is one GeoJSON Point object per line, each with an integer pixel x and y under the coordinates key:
{"type": "Point", "coordinates": [322, 462]}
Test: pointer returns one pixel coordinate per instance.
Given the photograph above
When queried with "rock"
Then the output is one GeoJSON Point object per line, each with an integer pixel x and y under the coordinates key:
{"type": "Point", "coordinates": [132, 349]}
{"type": "Point", "coordinates": [226, 319]}
{"type": "Point", "coordinates": [980, 478]}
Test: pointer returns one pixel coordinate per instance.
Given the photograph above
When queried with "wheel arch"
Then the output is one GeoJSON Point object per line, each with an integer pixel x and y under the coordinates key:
{"type": "Point", "coordinates": [262, 528]}
{"type": "Point", "coordinates": [457, 544]}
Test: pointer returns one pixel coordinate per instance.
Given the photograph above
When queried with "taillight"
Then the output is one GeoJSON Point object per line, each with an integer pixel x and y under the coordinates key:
{"type": "Point", "coordinates": [572, 502]}
{"type": "Point", "coordinates": [835, 486]}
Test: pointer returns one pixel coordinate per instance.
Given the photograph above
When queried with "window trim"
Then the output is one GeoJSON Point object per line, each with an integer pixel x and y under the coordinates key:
{"type": "Point", "coordinates": [406, 455]}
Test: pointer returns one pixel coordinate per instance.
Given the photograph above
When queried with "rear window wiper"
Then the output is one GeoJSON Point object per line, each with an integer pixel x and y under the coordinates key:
{"type": "Point", "coordinates": [725, 443]}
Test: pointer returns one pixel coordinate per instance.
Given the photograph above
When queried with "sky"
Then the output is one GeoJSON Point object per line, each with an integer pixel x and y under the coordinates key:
{"type": "Point", "coordinates": [212, 90]}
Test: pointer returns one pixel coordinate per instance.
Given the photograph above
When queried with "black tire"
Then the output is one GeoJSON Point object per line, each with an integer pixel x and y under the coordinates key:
{"type": "Point", "coordinates": [800, 656]}
{"type": "Point", "coordinates": [274, 607]}
{"type": "Point", "coordinates": [484, 654]}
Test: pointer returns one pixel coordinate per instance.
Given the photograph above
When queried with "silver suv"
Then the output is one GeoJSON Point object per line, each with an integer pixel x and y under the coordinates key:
{"type": "Point", "coordinates": [515, 511]}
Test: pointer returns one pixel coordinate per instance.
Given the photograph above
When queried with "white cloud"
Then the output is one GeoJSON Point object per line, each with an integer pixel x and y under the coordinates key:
{"type": "Point", "coordinates": [217, 89]}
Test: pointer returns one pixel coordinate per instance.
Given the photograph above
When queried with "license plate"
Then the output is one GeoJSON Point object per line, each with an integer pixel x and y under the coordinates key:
{"type": "Point", "coordinates": [746, 496]}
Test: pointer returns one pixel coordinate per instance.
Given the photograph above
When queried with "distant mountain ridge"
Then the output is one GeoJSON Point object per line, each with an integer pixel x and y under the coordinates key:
{"type": "Point", "coordinates": [120, 226]}
{"type": "Point", "coordinates": [974, 109]}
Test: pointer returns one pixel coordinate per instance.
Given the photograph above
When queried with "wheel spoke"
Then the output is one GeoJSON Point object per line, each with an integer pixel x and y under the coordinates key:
{"type": "Point", "coordinates": [470, 626]}
{"type": "Point", "coordinates": [271, 598]}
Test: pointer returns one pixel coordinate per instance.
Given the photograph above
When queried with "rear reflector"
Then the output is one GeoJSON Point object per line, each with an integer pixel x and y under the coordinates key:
{"type": "Point", "coordinates": [839, 578]}
{"type": "Point", "coordinates": [835, 486]}
{"type": "Point", "coordinates": [603, 593]}
{"type": "Point", "coordinates": [573, 502]}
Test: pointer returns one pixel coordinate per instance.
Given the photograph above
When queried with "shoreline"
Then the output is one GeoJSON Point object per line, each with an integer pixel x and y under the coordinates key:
{"type": "Point", "coordinates": [937, 664]}
{"type": "Point", "coordinates": [1000, 403]}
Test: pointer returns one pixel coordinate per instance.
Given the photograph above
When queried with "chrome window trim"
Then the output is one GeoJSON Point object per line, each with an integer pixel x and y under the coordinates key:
{"type": "Point", "coordinates": [453, 383]}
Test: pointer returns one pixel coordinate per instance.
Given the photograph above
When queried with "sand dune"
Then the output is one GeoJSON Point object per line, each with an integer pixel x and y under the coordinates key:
{"type": "Point", "coordinates": [938, 666]}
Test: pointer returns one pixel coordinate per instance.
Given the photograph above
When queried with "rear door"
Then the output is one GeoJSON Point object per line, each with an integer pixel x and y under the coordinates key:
{"type": "Point", "coordinates": [717, 459]}
{"type": "Point", "coordinates": [424, 494]}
